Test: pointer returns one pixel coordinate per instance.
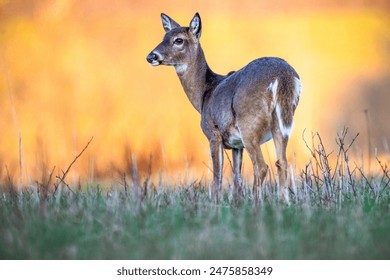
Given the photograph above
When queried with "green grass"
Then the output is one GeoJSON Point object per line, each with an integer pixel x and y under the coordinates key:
{"type": "Point", "coordinates": [183, 223]}
{"type": "Point", "coordinates": [335, 211]}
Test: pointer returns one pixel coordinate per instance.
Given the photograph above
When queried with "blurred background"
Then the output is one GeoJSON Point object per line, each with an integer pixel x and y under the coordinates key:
{"type": "Point", "coordinates": [71, 70]}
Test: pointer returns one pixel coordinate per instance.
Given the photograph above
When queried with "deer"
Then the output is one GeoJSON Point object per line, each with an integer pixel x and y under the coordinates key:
{"type": "Point", "coordinates": [241, 110]}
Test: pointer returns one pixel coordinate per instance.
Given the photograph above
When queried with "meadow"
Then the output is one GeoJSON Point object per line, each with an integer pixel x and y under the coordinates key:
{"type": "Point", "coordinates": [335, 210]}
{"type": "Point", "coordinates": [76, 70]}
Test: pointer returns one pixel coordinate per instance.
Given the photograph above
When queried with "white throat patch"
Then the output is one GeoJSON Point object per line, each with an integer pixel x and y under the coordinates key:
{"type": "Point", "coordinates": [181, 68]}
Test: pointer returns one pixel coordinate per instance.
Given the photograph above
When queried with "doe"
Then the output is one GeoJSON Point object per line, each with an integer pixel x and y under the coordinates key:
{"type": "Point", "coordinates": [242, 109]}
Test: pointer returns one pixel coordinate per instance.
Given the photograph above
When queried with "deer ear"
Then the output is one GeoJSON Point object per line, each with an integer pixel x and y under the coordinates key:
{"type": "Point", "coordinates": [196, 26]}
{"type": "Point", "coordinates": [168, 23]}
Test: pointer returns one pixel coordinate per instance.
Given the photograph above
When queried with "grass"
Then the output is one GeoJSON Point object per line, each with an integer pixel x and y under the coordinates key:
{"type": "Point", "coordinates": [183, 223]}
{"type": "Point", "coordinates": [333, 212]}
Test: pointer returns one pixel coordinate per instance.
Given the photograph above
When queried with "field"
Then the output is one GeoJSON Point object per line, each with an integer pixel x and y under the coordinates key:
{"type": "Point", "coordinates": [71, 71]}
{"type": "Point", "coordinates": [333, 212]}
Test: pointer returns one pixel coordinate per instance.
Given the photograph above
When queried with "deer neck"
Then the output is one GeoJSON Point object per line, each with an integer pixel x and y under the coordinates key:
{"type": "Point", "coordinates": [197, 79]}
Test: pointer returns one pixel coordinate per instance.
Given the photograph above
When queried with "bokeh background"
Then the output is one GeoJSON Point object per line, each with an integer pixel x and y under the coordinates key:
{"type": "Point", "coordinates": [71, 70]}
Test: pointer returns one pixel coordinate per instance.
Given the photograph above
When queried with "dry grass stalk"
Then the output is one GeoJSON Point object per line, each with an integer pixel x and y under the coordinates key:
{"type": "Point", "coordinates": [64, 174]}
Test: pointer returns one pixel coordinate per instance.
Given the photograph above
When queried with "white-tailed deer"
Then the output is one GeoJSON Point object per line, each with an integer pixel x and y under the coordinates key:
{"type": "Point", "coordinates": [243, 109]}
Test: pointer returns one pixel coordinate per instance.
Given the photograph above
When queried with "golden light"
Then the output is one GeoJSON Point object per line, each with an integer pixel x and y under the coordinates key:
{"type": "Point", "coordinates": [72, 70]}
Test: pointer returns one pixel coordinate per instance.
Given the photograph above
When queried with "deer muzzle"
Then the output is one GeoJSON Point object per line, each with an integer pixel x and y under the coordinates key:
{"type": "Point", "coordinates": [154, 58]}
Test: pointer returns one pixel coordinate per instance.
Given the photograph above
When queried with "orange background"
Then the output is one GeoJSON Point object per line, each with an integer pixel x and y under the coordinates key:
{"type": "Point", "coordinates": [71, 70]}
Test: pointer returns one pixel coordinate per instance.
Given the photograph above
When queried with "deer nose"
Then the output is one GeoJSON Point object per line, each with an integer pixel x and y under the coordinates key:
{"type": "Point", "coordinates": [152, 57]}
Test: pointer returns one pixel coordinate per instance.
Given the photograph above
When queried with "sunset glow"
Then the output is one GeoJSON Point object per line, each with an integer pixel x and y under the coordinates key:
{"type": "Point", "coordinates": [73, 70]}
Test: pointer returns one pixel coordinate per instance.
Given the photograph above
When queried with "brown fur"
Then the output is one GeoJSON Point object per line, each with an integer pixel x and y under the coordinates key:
{"type": "Point", "coordinates": [243, 109]}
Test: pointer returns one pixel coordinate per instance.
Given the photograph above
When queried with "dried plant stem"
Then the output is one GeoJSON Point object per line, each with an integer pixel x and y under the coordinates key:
{"type": "Point", "coordinates": [386, 175]}
{"type": "Point", "coordinates": [135, 178]}
{"type": "Point", "coordinates": [20, 163]}
{"type": "Point", "coordinates": [14, 117]}
{"type": "Point", "coordinates": [368, 139]}
{"type": "Point", "coordinates": [62, 178]}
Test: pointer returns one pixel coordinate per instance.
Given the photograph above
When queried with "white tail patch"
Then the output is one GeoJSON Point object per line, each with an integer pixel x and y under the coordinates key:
{"type": "Point", "coordinates": [297, 91]}
{"type": "Point", "coordinates": [273, 87]}
{"type": "Point", "coordinates": [286, 130]}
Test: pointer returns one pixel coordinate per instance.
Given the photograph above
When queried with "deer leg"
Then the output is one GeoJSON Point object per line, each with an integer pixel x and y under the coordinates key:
{"type": "Point", "coordinates": [237, 163]}
{"type": "Point", "coordinates": [217, 158]}
{"type": "Point", "coordinates": [260, 168]}
{"type": "Point", "coordinates": [281, 163]}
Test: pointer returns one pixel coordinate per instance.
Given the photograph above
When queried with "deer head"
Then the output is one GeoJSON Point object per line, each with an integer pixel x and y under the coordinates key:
{"type": "Point", "coordinates": [180, 44]}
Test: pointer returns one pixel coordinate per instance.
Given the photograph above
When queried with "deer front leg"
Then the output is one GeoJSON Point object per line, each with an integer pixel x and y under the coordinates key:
{"type": "Point", "coordinates": [237, 163]}
{"type": "Point", "coordinates": [217, 158]}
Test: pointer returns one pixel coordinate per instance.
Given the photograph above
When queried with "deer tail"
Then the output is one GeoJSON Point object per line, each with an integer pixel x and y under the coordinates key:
{"type": "Point", "coordinates": [286, 92]}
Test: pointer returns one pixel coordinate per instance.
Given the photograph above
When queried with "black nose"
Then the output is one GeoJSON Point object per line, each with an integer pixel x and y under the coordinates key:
{"type": "Point", "coordinates": [151, 57]}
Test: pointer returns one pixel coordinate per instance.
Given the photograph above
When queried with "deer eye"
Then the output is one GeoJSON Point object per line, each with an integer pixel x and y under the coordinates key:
{"type": "Point", "coordinates": [178, 41]}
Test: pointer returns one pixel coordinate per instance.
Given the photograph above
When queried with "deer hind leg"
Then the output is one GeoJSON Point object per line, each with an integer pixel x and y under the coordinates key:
{"type": "Point", "coordinates": [237, 163]}
{"type": "Point", "coordinates": [280, 143]}
{"type": "Point", "coordinates": [260, 168]}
